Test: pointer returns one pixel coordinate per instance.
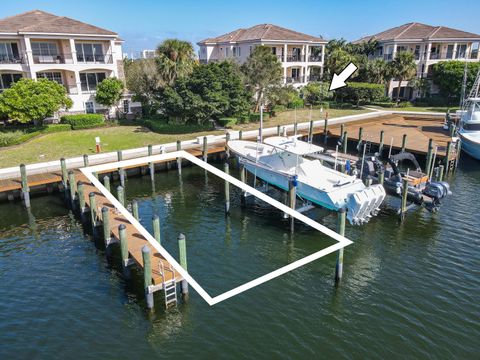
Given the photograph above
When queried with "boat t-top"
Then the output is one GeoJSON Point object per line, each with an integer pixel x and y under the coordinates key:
{"type": "Point", "coordinates": [469, 132]}
{"type": "Point", "coordinates": [280, 160]}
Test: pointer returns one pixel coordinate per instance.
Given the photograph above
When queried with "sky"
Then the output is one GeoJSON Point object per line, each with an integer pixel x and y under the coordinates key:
{"type": "Point", "coordinates": [143, 24]}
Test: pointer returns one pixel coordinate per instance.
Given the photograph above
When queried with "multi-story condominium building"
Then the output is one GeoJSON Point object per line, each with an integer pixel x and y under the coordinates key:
{"type": "Point", "coordinates": [301, 55]}
{"type": "Point", "coordinates": [429, 44]}
{"type": "Point", "coordinates": [148, 54]}
{"type": "Point", "coordinates": [79, 56]}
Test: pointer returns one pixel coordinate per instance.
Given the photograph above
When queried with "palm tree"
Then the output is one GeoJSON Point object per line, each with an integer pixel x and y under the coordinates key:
{"type": "Point", "coordinates": [176, 58]}
{"type": "Point", "coordinates": [403, 67]}
{"type": "Point", "coordinates": [376, 71]}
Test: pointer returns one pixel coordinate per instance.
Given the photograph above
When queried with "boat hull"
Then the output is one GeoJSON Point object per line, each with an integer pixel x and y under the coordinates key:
{"type": "Point", "coordinates": [472, 148]}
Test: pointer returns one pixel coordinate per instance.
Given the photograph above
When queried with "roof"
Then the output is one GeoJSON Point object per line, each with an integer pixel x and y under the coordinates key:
{"type": "Point", "coordinates": [263, 32]}
{"type": "Point", "coordinates": [416, 30]}
{"type": "Point", "coordinates": [38, 21]}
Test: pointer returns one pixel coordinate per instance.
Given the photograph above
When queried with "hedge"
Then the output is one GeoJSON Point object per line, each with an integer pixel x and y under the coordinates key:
{"type": "Point", "coordinates": [256, 116]}
{"type": "Point", "coordinates": [361, 93]}
{"type": "Point", "coordinates": [83, 121]}
{"type": "Point", "coordinates": [53, 128]}
{"type": "Point", "coordinates": [162, 127]}
{"type": "Point", "coordinates": [227, 122]}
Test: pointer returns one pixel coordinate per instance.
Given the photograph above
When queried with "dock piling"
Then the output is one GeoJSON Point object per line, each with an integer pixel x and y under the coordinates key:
{"type": "Point", "coordinates": [310, 132]}
{"type": "Point", "coordinates": [147, 275]}
{"type": "Point", "coordinates": [106, 182]}
{"type": "Point", "coordinates": [135, 210]}
{"type": "Point", "coordinates": [292, 199]}
{"type": "Point", "coordinates": [447, 157]}
{"type": "Point", "coordinates": [63, 166]}
{"type": "Point", "coordinates": [86, 162]}
{"type": "Point", "coordinates": [325, 130]}
{"type": "Point", "coordinates": [341, 230]}
{"type": "Point", "coordinates": [381, 177]}
{"type": "Point", "coordinates": [106, 228]}
{"type": "Point", "coordinates": [72, 186]}
{"type": "Point", "coordinates": [182, 245]}
{"type": "Point", "coordinates": [122, 231]}
{"type": "Point", "coordinates": [205, 149]}
{"type": "Point", "coordinates": [240, 135]}
{"type": "Point", "coordinates": [403, 208]}
{"type": "Point", "coordinates": [278, 130]}
{"type": "Point", "coordinates": [227, 189]}
{"type": "Point", "coordinates": [93, 213]}
{"type": "Point", "coordinates": [121, 195]}
{"type": "Point", "coordinates": [441, 169]}
{"type": "Point", "coordinates": [25, 188]}
{"type": "Point", "coordinates": [380, 145]}
{"type": "Point", "coordinates": [428, 164]}
{"type": "Point", "coordinates": [345, 142]}
{"type": "Point", "coordinates": [150, 150]}
{"type": "Point", "coordinates": [404, 142]}
{"type": "Point", "coordinates": [81, 199]}
{"type": "Point", "coordinates": [179, 159]}
{"type": "Point", "coordinates": [360, 136]}
{"type": "Point", "coordinates": [156, 228]}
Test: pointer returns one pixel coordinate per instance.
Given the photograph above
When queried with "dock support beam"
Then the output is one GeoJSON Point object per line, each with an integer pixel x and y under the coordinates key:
{"type": "Point", "coordinates": [156, 228]}
{"type": "Point", "coordinates": [341, 230]}
{"type": "Point", "coordinates": [227, 189]}
{"type": "Point", "coordinates": [147, 275]}
{"type": "Point", "coordinates": [182, 245]}
{"type": "Point", "coordinates": [25, 188]}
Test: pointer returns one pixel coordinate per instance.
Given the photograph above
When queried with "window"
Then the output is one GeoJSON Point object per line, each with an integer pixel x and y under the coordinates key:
{"type": "Point", "coordinates": [461, 51]}
{"type": "Point", "coordinates": [90, 107]}
{"type": "Point", "coordinates": [126, 106]}
{"type": "Point", "coordinates": [239, 52]}
{"type": "Point", "coordinates": [9, 53]}
{"type": "Point", "coordinates": [6, 80]}
{"type": "Point", "coordinates": [89, 52]}
{"type": "Point", "coordinates": [91, 80]}
{"type": "Point", "coordinates": [45, 52]}
{"type": "Point", "coordinates": [234, 51]}
{"type": "Point", "coordinates": [52, 76]}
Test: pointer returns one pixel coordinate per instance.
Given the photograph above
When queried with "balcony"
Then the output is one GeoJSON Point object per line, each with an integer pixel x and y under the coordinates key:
{"type": "Point", "coordinates": [11, 59]}
{"type": "Point", "coordinates": [314, 78]}
{"type": "Point", "coordinates": [295, 80]}
{"type": "Point", "coordinates": [279, 57]}
{"type": "Point", "coordinates": [315, 58]}
{"type": "Point", "coordinates": [295, 58]}
{"type": "Point", "coordinates": [53, 59]}
{"type": "Point", "coordinates": [94, 59]}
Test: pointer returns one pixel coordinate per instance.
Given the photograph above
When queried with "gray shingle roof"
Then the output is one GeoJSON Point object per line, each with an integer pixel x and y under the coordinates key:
{"type": "Point", "coordinates": [38, 21]}
{"type": "Point", "coordinates": [420, 31]}
{"type": "Point", "coordinates": [262, 32]}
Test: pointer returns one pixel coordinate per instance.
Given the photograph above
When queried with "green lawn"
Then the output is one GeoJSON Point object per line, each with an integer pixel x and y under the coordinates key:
{"type": "Point", "coordinates": [76, 143]}
{"type": "Point", "coordinates": [442, 109]}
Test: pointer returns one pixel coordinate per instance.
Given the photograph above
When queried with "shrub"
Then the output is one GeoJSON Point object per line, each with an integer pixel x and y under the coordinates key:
{"type": "Point", "coordinates": [385, 104]}
{"type": "Point", "coordinates": [296, 104]}
{"type": "Point", "coordinates": [53, 128]}
{"type": "Point", "coordinates": [10, 138]}
{"type": "Point", "coordinates": [255, 117]}
{"type": "Point", "coordinates": [404, 104]}
{"type": "Point", "coordinates": [83, 121]}
{"type": "Point", "coordinates": [361, 93]}
{"type": "Point", "coordinates": [340, 105]}
{"type": "Point", "coordinates": [227, 122]}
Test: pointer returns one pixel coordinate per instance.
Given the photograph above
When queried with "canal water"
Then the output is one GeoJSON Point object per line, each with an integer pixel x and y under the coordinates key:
{"type": "Point", "coordinates": [409, 290]}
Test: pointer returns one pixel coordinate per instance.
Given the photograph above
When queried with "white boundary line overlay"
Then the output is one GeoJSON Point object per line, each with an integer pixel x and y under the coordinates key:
{"type": "Point", "coordinates": [341, 240]}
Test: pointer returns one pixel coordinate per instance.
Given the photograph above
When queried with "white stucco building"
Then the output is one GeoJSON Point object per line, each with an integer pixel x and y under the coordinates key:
{"type": "Point", "coordinates": [302, 56]}
{"type": "Point", "coordinates": [429, 44]}
{"type": "Point", "coordinates": [37, 44]}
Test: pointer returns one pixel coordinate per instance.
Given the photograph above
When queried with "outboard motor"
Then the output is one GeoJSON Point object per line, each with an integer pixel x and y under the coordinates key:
{"type": "Point", "coordinates": [371, 167]}
{"type": "Point", "coordinates": [436, 191]}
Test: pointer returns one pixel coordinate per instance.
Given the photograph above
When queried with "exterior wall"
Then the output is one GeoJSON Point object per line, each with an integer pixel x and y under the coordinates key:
{"type": "Point", "coordinates": [67, 63]}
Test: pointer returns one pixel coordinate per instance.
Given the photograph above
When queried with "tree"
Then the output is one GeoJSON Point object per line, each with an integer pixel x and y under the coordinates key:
{"type": "Point", "coordinates": [262, 70]}
{"type": "Point", "coordinates": [361, 93]}
{"type": "Point", "coordinates": [376, 71]}
{"type": "Point", "coordinates": [144, 80]}
{"type": "Point", "coordinates": [176, 59]}
{"type": "Point", "coordinates": [403, 67]}
{"type": "Point", "coordinates": [314, 93]}
{"type": "Point", "coordinates": [33, 100]}
{"type": "Point", "coordinates": [448, 75]}
{"type": "Point", "coordinates": [421, 85]}
{"type": "Point", "coordinates": [109, 92]}
{"type": "Point", "coordinates": [210, 92]}
{"type": "Point", "coordinates": [281, 95]}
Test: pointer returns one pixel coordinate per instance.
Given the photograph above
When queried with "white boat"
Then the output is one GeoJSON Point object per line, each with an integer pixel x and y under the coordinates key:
{"type": "Point", "coordinates": [469, 132]}
{"type": "Point", "coordinates": [284, 163]}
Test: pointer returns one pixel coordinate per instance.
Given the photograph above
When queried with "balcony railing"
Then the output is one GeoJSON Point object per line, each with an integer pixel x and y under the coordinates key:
{"type": "Point", "coordinates": [314, 78]}
{"type": "Point", "coordinates": [11, 59]}
{"type": "Point", "coordinates": [295, 79]}
{"type": "Point", "coordinates": [295, 58]}
{"type": "Point", "coordinates": [315, 58]}
{"type": "Point", "coordinates": [94, 59]}
{"type": "Point", "coordinates": [279, 57]}
{"type": "Point", "coordinates": [53, 59]}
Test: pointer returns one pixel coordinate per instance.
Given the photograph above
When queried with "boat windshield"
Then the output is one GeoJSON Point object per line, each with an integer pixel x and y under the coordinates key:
{"type": "Point", "coordinates": [471, 127]}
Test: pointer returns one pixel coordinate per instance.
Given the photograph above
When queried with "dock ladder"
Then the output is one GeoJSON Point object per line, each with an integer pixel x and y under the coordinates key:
{"type": "Point", "coordinates": [169, 287]}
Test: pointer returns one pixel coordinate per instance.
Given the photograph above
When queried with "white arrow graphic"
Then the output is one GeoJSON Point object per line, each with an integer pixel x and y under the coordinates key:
{"type": "Point", "coordinates": [338, 81]}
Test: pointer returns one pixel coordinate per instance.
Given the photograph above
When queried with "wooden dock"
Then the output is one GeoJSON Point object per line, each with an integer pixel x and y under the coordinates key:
{"type": "Point", "coordinates": [418, 129]}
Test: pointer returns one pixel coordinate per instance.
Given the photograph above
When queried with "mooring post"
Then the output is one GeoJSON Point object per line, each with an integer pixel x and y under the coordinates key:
{"type": "Point", "coordinates": [295, 127]}
{"type": "Point", "coordinates": [441, 170]}
{"type": "Point", "coordinates": [447, 157]}
{"type": "Point", "coordinates": [404, 142]}
{"type": "Point", "coordinates": [135, 210]}
{"type": "Point", "coordinates": [345, 142]}
{"type": "Point", "coordinates": [360, 136]}
{"type": "Point", "coordinates": [403, 209]}
{"type": "Point", "coordinates": [342, 129]}
{"type": "Point", "coordinates": [86, 163]}
{"type": "Point", "coordinates": [205, 149]}
{"type": "Point", "coordinates": [121, 195]}
{"type": "Point", "coordinates": [150, 150]}
{"type": "Point", "coordinates": [243, 178]}
{"type": "Point", "coordinates": [93, 213]}
{"type": "Point", "coordinates": [429, 157]}
{"type": "Point", "coordinates": [179, 159]}
{"type": "Point", "coordinates": [310, 132]}
{"type": "Point", "coordinates": [121, 171]}
{"type": "Point", "coordinates": [292, 199]}
{"type": "Point", "coordinates": [122, 231]}
{"type": "Point", "coordinates": [25, 188]}
{"type": "Point", "coordinates": [81, 199]}
{"type": "Point", "coordinates": [182, 245]}
{"type": "Point", "coordinates": [72, 186]}
{"type": "Point", "coordinates": [106, 182]}
{"type": "Point", "coordinates": [325, 130]}
{"type": "Point", "coordinates": [227, 189]}
{"type": "Point", "coordinates": [240, 135]}
{"type": "Point", "coordinates": [458, 151]}
{"type": "Point", "coordinates": [278, 130]}
{"type": "Point", "coordinates": [380, 145]}
{"type": "Point", "coordinates": [147, 275]}
{"type": "Point", "coordinates": [381, 177]}
{"type": "Point", "coordinates": [106, 228]}
{"type": "Point", "coordinates": [156, 228]}
{"type": "Point", "coordinates": [341, 230]}
{"type": "Point", "coordinates": [227, 139]}
{"type": "Point", "coordinates": [63, 165]}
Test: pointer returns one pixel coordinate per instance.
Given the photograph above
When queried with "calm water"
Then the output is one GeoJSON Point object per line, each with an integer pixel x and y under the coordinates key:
{"type": "Point", "coordinates": [410, 290]}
